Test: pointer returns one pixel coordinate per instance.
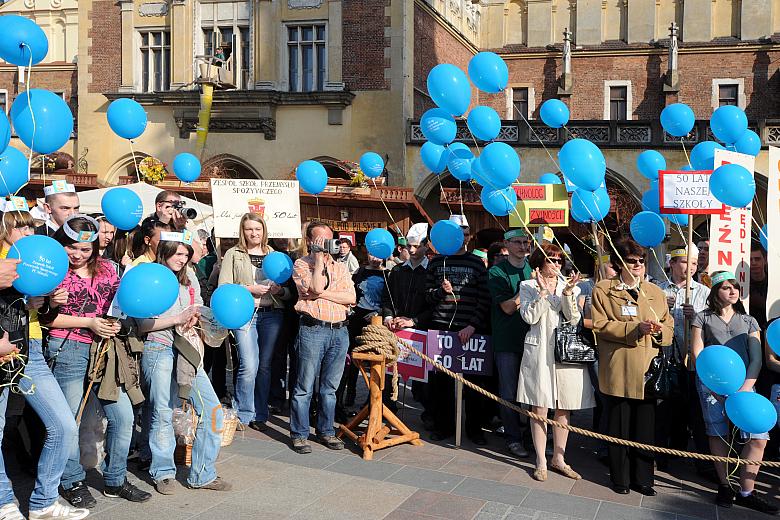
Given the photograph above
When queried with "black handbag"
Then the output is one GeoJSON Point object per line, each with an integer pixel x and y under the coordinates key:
{"type": "Point", "coordinates": [574, 344]}
{"type": "Point", "coordinates": [666, 376]}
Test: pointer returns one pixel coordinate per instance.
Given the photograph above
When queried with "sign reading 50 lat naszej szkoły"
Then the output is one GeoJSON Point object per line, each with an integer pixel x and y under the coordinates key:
{"type": "Point", "coordinates": [278, 202]}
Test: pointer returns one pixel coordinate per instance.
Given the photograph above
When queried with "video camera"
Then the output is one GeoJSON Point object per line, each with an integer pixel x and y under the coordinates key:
{"type": "Point", "coordinates": [331, 246]}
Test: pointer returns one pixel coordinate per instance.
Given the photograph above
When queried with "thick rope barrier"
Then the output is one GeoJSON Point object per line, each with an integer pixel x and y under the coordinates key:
{"type": "Point", "coordinates": [381, 340]}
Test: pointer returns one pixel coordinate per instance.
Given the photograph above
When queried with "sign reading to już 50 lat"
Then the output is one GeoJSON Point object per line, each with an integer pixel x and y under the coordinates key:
{"type": "Point", "coordinates": [540, 205]}
{"type": "Point", "coordinates": [687, 192]}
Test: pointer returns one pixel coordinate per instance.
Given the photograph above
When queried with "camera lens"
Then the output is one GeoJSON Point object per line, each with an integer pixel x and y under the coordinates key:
{"type": "Point", "coordinates": [190, 213]}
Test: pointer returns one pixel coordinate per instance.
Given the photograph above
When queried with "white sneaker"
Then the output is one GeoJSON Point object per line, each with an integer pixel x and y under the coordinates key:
{"type": "Point", "coordinates": [10, 512]}
{"type": "Point", "coordinates": [59, 511]}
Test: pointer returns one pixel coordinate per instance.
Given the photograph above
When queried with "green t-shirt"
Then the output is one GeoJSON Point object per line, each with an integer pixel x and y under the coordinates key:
{"type": "Point", "coordinates": [504, 282]}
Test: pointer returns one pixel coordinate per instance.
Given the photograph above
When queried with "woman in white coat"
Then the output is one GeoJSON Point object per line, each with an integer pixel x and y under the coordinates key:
{"type": "Point", "coordinates": [543, 384]}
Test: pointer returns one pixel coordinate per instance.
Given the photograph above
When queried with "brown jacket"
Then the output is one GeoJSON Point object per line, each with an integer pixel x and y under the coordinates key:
{"type": "Point", "coordinates": [624, 354]}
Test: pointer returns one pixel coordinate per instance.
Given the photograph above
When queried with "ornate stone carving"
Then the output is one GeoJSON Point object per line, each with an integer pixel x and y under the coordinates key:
{"type": "Point", "coordinates": [634, 134]}
{"type": "Point", "coordinates": [153, 9]}
{"type": "Point", "coordinates": [303, 4]}
{"type": "Point", "coordinates": [773, 135]}
{"type": "Point", "coordinates": [597, 134]}
{"type": "Point", "coordinates": [692, 137]}
{"type": "Point", "coordinates": [543, 134]}
{"type": "Point", "coordinates": [264, 125]}
{"type": "Point", "coordinates": [56, 4]}
{"type": "Point", "coordinates": [29, 4]}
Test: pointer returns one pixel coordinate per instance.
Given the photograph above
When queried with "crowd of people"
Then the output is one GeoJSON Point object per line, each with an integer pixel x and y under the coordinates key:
{"type": "Point", "coordinates": [293, 353]}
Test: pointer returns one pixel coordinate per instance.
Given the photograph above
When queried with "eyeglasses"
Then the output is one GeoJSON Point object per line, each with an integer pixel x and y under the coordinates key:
{"type": "Point", "coordinates": [635, 261]}
{"type": "Point", "coordinates": [556, 260]}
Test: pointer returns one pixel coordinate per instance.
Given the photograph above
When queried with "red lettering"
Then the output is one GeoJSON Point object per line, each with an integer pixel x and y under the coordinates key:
{"type": "Point", "coordinates": [742, 233]}
{"type": "Point", "coordinates": [742, 218]}
{"type": "Point", "coordinates": [724, 233]}
{"type": "Point", "coordinates": [531, 192]}
{"type": "Point", "coordinates": [725, 258]}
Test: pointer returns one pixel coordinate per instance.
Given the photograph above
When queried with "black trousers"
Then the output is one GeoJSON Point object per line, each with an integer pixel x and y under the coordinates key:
{"type": "Point", "coordinates": [442, 397]}
{"type": "Point", "coordinates": [634, 420]}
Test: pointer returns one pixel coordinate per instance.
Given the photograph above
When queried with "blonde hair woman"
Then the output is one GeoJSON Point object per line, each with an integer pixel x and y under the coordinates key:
{"type": "Point", "coordinates": [243, 265]}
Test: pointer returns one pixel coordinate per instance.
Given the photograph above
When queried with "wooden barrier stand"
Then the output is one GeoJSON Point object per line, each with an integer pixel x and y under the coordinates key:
{"type": "Point", "coordinates": [374, 436]}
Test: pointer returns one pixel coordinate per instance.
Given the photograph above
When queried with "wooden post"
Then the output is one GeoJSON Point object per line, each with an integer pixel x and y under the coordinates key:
{"type": "Point", "coordinates": [458, 412]}
{"type": "Point", "coordinates": [599, 251]}
{"type": "Point", "coordinates": [687, 324]}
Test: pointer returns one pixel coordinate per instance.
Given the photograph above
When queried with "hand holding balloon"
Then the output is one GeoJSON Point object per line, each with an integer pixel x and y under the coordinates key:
{"type": "Point", "coordinates": [103, 327]}
{"type": "Point", "coordinates": [8, 272]}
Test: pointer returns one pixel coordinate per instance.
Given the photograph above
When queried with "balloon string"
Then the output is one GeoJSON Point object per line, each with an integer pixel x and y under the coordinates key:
{"type": "Point", "coordinates": [460, 194]}
{"type": "Point", "coordinates": [135, 161]}
{"type": "Point", "coordinates": [382, 200]}
{"type": "Point", "coordinates": [317, 200]}
{"type": "Point", "coordinates": [500, 224]}
{"type": "Point", "coordinates": [538, 138]}
{"type": "Point", "coordinates": [446, 200]}
{"type": "Point", "coordinates": [687, 158]}
{"type": "Point", "coordinates": [32, 118]}
{"type": "Point", "coordinates": [658, 261]}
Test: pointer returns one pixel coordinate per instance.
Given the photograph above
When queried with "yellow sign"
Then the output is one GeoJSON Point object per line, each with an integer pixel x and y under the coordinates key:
{"type": "Point", "coordinates": [360, 227]}
{"type": "Point", "coordinates": [541, 204]}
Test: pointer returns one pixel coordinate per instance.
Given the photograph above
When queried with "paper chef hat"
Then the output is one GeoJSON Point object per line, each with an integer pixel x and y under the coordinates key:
{"type": "Point", "coordinates": [417, 233]}
{"type": "Point", "coordinates": [683, 252]}
{"type": "Point", "coordinates": [59, 187]}
{"type": "Point", "coordinates": [459, 220]}
{"type": "Point", "coordinates": [16, 204]}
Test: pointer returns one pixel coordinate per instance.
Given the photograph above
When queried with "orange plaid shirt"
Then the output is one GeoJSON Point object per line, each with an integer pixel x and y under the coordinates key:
{"type": "Point", "coordinates": [319, 306]}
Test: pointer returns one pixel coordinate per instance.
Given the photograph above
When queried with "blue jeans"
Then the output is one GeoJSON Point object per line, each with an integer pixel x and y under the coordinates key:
{"type": "Point", "coordinates": [321, 351]}
{"type": "Point", "coordinates": [70, 371]}
{"type": "Point", "coordinates": [157, 365]}
{"type": "Point", "coordinates": [256, 342]}
{"type": "Point", "coordinates": [508, 368]}
{"type": "Point", "coordinates": [43, 394]}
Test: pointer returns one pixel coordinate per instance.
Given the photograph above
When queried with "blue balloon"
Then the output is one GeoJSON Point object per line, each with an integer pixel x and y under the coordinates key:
{"type": "Point", "coordinates": [649, 162]}
{"type": "Point", "coordinates": [147, 290]}
{"type": "Point", "coordinates": [434, 157]}
{"type": "Point", "coordinates": [773, 336]}
{"type": "Point", "coordinates": [501, 165]}
{"type": "Point", "coordinates": [53, 120]}
{"type": "Point", "coordinates": [312, 176]}
{"type": "Point", "coordinates": [653, 184]}
{"type": "Point", "coordinates": [186, 167]}
{"type": "Point", "coordinates": [550, 178]}
{"type": "Point", "coordinates": [438, 126]}
{"type": "Point", "coordinates": [127, 118]}
{"type": "Point", "coordinates": [372, 164]}
{"type": "Point", "coordinates": [733, 185]}
{"type": "Point", "coordinates": [447, 237]}
{"type": "Point", "coordinates": [554, 113]}
{"type": "Point", "coordinates": [499, 202]}
{"type": "Point", "coordinates": [676, 218]}
{"type": "Point", "coordinates": [122, 208]}
{"type": "Point", "coordinates": [703, 155]}
{"type": "Point", "coordinates": [459, 163]}
{"type": "Point", "coordinates": [648, 229]}
{"type": "Point", "coordinates": [478, 173]}
{"type": "Point", "coordinates": [5, 131]}
{"type": "Point", "coordinates": [484, 123]}
{"type": "Point", "coordinates": [380, 243]}
{"type": "Point", "coordinates": [678, 119]}
{"type": "Point", "coordinates": [591, 206]}
{"type": "Point", "coordinates": [277, 267]}
{"type": "Point", "coordinates": [13, 171]}
{"type": "Point", "coordinates": [721, 369]}
{"type": "Point", "coordinates": [449, 88]}
{"type": "Point", "coordinates": [763, 237]}
{"type": "Point", "coordinates": [232, 305]}
{"type": "Point", "coordinates": [749, 143]}
{"type": "Point", "coordinates": [44, 264]}
{"type": "Point", "coordinates": [488, 72]}
{"type": "Point", "coordinates": [583, 164]}
{"type": "Point", "coordinates": [651, 200]}
{"type": "Point", "coordinates": [729, 123]}
{"type": "Point", "coordinates": [22, 39]}
{"type": "Point", "coordinates": [751, 412]}
{"type": "Point", "coordinates": [687, 168]}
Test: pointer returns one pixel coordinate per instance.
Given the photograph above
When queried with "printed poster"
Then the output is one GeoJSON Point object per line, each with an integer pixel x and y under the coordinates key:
{"type": "Point", "coordinates": [278, 202]}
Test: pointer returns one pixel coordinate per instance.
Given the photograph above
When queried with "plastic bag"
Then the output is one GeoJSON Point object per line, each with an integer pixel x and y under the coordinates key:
{"type": "Point", "coordinates": [184, 425]}
{"type": "Point", "coordinates": [92, 434]}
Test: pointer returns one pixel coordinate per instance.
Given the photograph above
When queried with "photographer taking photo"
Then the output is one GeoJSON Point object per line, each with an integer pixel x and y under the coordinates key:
{"type": "Point", "coordinates": [171, 209]}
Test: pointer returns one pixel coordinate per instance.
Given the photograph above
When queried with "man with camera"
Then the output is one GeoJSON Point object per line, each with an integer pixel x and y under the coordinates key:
{"type": "Point", "coordinates": [170, 209]}
{"type": "Point", "coordinates": [325, 294]}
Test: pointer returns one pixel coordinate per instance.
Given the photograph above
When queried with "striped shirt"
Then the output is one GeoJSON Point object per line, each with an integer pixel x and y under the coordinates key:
{"type": "Point", "coordinates": [319, 306]}
{"type": "Point", "coordinates": [469, 302]}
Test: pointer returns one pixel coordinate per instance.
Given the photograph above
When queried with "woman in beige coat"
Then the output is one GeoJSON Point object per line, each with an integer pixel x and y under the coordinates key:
{"type": "Point", "coordinates": [632, 322]}
{"type": "Point", "coordinates": [543, 384]}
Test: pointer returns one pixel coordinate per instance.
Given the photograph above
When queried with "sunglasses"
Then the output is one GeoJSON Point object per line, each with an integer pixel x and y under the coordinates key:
{"type": "Point", "coordinates": [635, 261]}
{"type": "Point", "coordinates": [558, 261]}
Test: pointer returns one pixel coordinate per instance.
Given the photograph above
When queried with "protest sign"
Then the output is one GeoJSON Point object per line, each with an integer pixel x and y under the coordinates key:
{"type": "Point", "coordinates": [687, 192]}
{"type": "Point", "coordinates": [541, 204]}
{"type": "Point", "coordinates": [278, 202]}
{"type": "Point", "coordinates": [475, 357]}
{"type": "Point", "coordinates": [730, 231]}
{"type": "Point", "coordinates": [410, 365]}
{"type": "Point", "coordinates": [773, 234]}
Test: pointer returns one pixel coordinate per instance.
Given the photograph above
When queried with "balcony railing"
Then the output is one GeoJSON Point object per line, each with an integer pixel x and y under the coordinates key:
{"type": "Point", "coordinates": [606, 134]}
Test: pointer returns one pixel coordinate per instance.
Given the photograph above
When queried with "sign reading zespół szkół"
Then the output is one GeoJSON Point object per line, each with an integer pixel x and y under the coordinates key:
{"type": "Point", "coordinates": [474, 357]}
{"type": "Point", "coordinates": [687, 193]}
{"type": "Point", "coordinates": [278, 202]}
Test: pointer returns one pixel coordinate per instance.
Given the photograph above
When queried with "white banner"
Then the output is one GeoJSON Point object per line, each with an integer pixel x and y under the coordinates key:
{"type": "Point", "coordinates": [687, 192]}
{"type": "Point", "coordinates": [773, 231]}
{"type": "Point", "coordinates": [278, 202]}
{"type": "Point", "coordinates": [730, 231]}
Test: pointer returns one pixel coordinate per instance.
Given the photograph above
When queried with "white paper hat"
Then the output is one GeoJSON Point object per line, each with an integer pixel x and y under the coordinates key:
{"type": "Point", "coordinates": [417, 233]}
{"type": "Point", "coordinates": [16, 204]}
{"type": "Point", "coordinates": [459, 220]}
{"type": "Point", "coordinates": [59, 187]}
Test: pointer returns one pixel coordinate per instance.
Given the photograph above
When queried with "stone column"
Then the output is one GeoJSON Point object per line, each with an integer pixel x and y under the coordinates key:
{"type": "Point", "coordinates": [493, 23]}
{"type": "Point", "coordinates": [540, 23]}
{"type": "Point", "coordinates": [588, 22]}
{"type": "Point", "coordinates": [128, 48]}
{"type": "Point", "coordinates": [756, 19]}
{"type": "Point", "coordinates": [641, 22]}
{"type": "Point", "coordinates": [334, 36]}
{"type": "Point", "coordinates": [697, 21]}
{"type": "Point", "coordinates": [268, 45]}
{"type": "Point", "coordinates": [181, 44]}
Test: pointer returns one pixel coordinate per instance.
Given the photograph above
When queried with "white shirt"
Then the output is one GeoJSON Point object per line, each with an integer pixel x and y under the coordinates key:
{"type": "Point", "coordinates": [699, 294]}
